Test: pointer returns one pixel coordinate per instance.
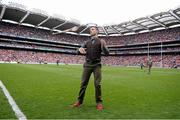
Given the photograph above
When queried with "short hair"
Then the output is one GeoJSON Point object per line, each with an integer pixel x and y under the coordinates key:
{"type": "Point", "coordinates": [94, 27]}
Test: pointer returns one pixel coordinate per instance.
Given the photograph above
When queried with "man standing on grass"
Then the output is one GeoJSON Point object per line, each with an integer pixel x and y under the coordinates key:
{"type": "Point", "coordinates": [57, 62]}
{"type": "Point", "coordinates": [141, 65]}
{"type": "Point", "coordinates": [92, 49]}
{"type": "Point", "coordinates": [149, 64]}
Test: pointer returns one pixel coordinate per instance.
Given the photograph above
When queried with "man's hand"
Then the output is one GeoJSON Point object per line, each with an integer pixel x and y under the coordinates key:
{"type": "Point", "coordinates": [82, 50]}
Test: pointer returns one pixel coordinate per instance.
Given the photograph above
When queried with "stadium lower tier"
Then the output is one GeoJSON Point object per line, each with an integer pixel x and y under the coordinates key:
{"type": "Point", "coordinates": [46, 57]}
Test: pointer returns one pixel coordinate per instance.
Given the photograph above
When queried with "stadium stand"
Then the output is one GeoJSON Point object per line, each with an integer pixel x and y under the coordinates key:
{"type": "Point", "coordinates": [35, 44]}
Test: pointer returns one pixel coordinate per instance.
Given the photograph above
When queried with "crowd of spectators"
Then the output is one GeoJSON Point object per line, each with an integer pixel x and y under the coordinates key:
{"type": "Point", "coordinates": [124, 51]}
{"type": "Point", "coordinates": [151, 50]}
{"type": "Point", "coordinates": [36, 47]}
{"type": "Point", "coordinates": [24, 31]}
{"type": "Point", "coordinates": [167, 60]}
{"type": "Point", "coordinates": [44, 57]}
{"type": "Point", "coordinates": [37, 57]}
{"type": "Point", "coordinates": [49, 57]}
{"type": "Point", "coordinates": [155, 36]}
{"type": "Point", "coordinates": [161, 35]}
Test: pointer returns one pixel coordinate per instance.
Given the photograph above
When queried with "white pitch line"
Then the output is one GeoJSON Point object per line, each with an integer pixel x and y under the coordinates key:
{"type": "Point", "coordinates": [19, 114]}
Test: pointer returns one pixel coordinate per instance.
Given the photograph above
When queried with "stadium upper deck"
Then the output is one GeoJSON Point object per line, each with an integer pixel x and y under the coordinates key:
{"type": "Point", "coordinates": [18, 14]}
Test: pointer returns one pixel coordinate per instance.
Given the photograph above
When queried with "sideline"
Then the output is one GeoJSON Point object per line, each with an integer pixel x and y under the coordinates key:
{"type": "Point", "coordinates": [19, 114]}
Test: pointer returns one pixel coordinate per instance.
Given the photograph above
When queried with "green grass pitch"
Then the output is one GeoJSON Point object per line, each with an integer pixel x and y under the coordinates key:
{"type": "Point", "coordinates": [47, 91]}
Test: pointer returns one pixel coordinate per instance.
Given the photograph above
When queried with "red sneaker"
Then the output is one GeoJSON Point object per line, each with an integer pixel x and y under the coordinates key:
{"type": "Point", "coordinates": [99, 106]}
{"type": "Point", "coordinates": [77, 104]}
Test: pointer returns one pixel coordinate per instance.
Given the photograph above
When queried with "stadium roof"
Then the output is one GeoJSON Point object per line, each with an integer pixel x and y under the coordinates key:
{"type": "Point", "coordinates": [17, 13]}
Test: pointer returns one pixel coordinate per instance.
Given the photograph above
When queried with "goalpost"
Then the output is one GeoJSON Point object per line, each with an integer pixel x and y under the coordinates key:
{"type": "Point", "coordinates": [160, 63]}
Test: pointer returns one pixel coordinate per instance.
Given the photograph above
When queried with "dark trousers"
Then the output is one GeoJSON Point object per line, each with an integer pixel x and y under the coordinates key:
{"type": "Point", "coordinates": [96, 70]}
{"type": "Point", "coordinates": [149, 69]}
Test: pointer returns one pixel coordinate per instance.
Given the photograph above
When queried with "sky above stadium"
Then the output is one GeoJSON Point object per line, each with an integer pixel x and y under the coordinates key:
{"type": "Point", "coordinates": [101, 12]}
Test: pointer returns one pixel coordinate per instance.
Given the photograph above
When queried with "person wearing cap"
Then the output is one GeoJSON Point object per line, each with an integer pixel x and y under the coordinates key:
{"type": "Point", "coordinates": [92, 49]}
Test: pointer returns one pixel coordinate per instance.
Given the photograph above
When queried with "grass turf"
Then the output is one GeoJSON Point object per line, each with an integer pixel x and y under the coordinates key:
{"type": "Point", "coordinates": [47, 91]}
{"type": "Point", "coordinates": [5, 109]}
